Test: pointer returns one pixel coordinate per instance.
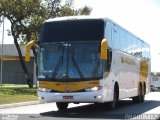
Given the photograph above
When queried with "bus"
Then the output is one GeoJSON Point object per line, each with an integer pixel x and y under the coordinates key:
{"type": "Point", "coordinates": [90, 60]}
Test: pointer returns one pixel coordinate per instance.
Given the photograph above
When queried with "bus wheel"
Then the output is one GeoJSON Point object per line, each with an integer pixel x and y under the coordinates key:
{"type": "Point", "coordinates": [62, 105]}
{"type": "Point", "coordinates": [112, 104]}
{"type": "Point", "coordinates": [140, 97]}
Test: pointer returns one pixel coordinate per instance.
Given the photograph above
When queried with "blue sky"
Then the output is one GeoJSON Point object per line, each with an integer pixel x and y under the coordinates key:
{"type": "Point", "coordinates": [141, 17]}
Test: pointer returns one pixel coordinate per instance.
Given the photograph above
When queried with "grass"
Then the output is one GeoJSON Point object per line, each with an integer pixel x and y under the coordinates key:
{"type": "Point", "coordinates": [14, 95]}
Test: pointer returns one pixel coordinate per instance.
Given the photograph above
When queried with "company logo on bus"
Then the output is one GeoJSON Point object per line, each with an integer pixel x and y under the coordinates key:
{"type": "Point", "coordinates": [67, 88]}
{"type": "Point", "coordinates": [127, 61]}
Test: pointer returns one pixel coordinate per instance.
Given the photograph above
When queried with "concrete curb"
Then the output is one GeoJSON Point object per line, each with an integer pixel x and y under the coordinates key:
{"type": "Point", "coordinates": [19, 104]}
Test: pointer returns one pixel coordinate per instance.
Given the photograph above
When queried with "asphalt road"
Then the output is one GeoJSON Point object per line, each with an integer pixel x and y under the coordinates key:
{"type": "Point", "coordinates": [126, 109]}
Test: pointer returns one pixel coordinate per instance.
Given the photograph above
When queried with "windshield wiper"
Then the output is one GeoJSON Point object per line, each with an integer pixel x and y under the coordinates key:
{"type": "Point", "coordinates": [60, 61]}
{"type": "Point", "coordinates": [76, 65]}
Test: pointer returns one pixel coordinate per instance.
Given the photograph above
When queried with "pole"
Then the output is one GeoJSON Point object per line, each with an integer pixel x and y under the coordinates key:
{"type": "Point", "coordinates": [2, 54]}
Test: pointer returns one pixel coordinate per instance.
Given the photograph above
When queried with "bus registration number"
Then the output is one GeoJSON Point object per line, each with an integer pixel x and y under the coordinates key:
{"type": "Point", "coordinates": [68, 97]}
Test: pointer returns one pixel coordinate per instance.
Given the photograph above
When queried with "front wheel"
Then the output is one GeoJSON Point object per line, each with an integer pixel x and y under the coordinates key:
{"type": "Point", "coordinates": [62, 105]}
{"type": "Point", "coordinates": [112, 104]}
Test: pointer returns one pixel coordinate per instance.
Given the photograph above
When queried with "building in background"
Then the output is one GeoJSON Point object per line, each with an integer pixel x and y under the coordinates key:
{"type": "Point", "coordinates": [155, 83]}
{"type": "Point", "coordinates": [12, 72]}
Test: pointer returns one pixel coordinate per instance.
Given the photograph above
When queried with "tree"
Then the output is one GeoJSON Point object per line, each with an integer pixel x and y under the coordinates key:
{"type": "Point", "coordinates": [153, 74]}
{"type": "Point", "coordinates": [18, 13]}
{"type": "Point", "coordinates": [158, 74]}
{"type": "Point", "coordinates": [27, 16]}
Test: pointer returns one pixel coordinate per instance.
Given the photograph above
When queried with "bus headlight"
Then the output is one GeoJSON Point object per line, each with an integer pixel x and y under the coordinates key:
{"type": "Point", "coordinates": [44, 90]}
{"type": "Point", "coordinates": [93, 89]}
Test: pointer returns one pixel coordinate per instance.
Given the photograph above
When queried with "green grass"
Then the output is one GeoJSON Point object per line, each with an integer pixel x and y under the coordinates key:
{"type": "Point", "coordinates": [14, 95]}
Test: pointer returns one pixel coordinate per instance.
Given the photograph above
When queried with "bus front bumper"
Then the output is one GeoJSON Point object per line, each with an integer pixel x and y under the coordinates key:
{"type": "Point", "coordinates": [80, 97]}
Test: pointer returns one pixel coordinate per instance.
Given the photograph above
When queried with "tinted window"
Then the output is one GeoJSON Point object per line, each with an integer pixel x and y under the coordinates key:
{"type": "Point", "coordinates": [123, 42]}
{"type": "Point", "coordinates": [145, 51]}
{"type": "Point", "coordinates": [148, 51]}
{"type": "Point", "coordinates": [139, 48]}
{"type": "Point", "coordinates": [116, 37]}
{"type": "Point", "coordinates": [134, 45]}
{"type": "Point", "coordinates": [108, 33]}
{"type": "Point", "coordinates": [129, 43]}
{"type": "Point", "coordinates": [72, 30]}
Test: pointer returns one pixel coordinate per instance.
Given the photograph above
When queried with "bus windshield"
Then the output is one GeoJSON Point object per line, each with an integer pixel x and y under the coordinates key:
{"type": "Point", "coordinates": [69, 60]}
{"type": "Point", "coordinates": [72, 30]}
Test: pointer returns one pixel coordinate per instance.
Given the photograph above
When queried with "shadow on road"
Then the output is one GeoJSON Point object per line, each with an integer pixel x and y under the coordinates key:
{"type": "Point", "coordinates": [124, 108]}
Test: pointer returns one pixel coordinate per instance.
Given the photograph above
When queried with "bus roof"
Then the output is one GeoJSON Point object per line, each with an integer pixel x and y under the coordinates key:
{"type": "Point", "coordinates": [73, 18]}
{"type": "Point", "coordinates": [86, 17]}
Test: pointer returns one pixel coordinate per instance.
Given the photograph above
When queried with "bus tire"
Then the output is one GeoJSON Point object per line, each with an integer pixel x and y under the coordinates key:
{"type": "Point", "coordinates": [112, 104]}
{"type": "Point", "coordinates": [140, 97]}
{"type": "Point", "coordinates": [62, 106]}
{"type": "Point", "coordinates": [144, 92]}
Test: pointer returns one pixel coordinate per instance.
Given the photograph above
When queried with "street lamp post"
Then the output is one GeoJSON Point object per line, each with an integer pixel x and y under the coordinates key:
{"type": "Point", "coordinates": [2, 54]}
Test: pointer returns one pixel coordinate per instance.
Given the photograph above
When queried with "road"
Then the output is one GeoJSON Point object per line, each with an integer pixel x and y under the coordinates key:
{"type": "Point", "coordinates": [125, 109]}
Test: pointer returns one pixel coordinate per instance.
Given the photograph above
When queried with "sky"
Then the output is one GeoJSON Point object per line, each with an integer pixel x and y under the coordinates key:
{"type": "Point", "coordinates": [140, 17]}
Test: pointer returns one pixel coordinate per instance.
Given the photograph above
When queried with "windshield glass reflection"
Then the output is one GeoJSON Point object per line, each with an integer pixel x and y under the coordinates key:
{"type": "Point", "coordinates": [69, 60]}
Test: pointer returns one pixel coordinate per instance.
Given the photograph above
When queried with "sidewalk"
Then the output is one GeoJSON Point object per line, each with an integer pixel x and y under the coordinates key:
{"type": "Point", "coordinates": [16, 86]}
{"type": "Point", "coordinates": [19, 104]}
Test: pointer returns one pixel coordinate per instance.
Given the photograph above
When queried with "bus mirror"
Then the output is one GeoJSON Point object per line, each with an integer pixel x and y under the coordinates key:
{"type": "Point", "coordinates": [104, 47]}
{"type": "Point", "coordinates": [28, 48]}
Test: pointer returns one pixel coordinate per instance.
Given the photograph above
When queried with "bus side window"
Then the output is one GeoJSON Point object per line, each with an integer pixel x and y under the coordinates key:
{"type": "Point", "coordinates": [139, 48]}
{"type": "Point", "coordinates": [115, 37]}
{"type": "Point", "coordinates": [123, 42]}
{"type": "Point", "coordinates": [108, 33]}
{"type": "Point", "coordinates": [145, 51]}
{"type": "Point", "coordinates": [134, 45]}
{"type": "Point", "coordinates": [129, 43]}
{"type": "Point", "coordinates": [148, 53]}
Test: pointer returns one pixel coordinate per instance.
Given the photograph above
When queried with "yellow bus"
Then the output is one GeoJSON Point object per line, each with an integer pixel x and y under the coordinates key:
{"type": "Point", "coordinates": [90, 60]}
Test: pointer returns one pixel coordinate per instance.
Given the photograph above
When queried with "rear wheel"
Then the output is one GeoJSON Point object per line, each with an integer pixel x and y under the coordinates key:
{"type": "Point", "coordinates": [140, 97]}
{"type": "Point", "coordinates": [62, 105]}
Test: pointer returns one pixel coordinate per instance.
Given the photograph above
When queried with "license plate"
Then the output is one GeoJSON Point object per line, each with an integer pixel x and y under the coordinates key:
{"type": "Point", "coordinates": [67, 97]}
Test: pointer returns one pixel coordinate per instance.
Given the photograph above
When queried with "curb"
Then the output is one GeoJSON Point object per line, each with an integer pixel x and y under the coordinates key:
{"type": "Point", "coordinates": [19, 104]}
